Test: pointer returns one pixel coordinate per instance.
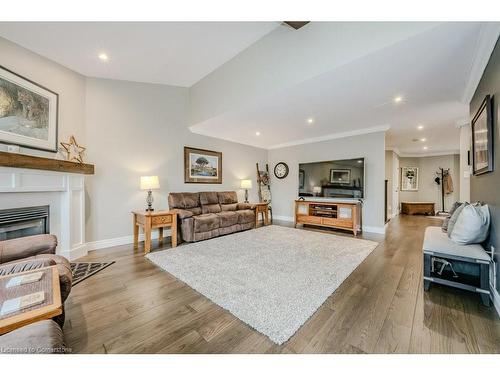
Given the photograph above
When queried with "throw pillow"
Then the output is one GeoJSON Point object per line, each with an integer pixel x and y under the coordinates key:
{"type": "Point", "coordinates": [472, 225]}
{"type": "Point", "coordinates": [446, 220]}
{"type": "Point", "coordinates": [454, 217]}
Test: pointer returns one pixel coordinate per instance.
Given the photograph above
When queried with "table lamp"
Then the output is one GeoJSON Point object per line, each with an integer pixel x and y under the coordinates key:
{"type": "Point", "coordinates": [246, 184]}
{"type": "Point", "coordinates": [317, 190]}
{"type": "Point", "coordinates": [150, 183]}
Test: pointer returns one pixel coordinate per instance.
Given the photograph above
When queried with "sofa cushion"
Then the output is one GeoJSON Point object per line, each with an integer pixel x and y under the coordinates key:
{"type": "Point", "coordinates": [245, 216]}
{"type": "Point", "coordinates": [227, 218]}
{"type": "Point", "coordinates": [229, 207]}
{"type": "Point", "coordinates": [227, 197]}
{"type": "Point", "coordinates": [209, 202]}
{"type": "Point", "coordinates": [205, 222]}
{"type": "Point", "coordinates": [209, 197]}
{"type": "Point", "coordinates": [472, 225]}
{"type": "Point", "coordinates": [44, 337]}
{"type": "Point", "coordinates": [183, 200]}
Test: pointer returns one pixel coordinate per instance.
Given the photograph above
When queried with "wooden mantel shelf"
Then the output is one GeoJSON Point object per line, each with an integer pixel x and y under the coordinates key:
{"type": "Point", "coordinates": [8, 159]}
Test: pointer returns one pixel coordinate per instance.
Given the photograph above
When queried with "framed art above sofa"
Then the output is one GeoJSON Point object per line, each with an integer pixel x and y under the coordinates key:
{"type": "Point", "coordinates": [202, 166]}
{"type": "Point", "coordinates": [28, 112]}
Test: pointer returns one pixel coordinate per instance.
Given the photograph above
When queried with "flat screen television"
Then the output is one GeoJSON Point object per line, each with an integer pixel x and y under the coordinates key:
{"type": "Point", "coordinates": [333, 179]}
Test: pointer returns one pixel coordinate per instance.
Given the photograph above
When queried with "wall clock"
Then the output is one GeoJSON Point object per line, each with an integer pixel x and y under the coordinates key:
{"type": "Point", "coordinates": [281, 170]}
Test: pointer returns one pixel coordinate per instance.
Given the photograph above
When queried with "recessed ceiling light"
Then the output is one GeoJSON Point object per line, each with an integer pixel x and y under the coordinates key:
{"type": "Point", "coordinates": [420, 127]}
{"type": "Point", "coordinates": [425, 147]}
{"type": "Point", "coordinates": [257, 133]}
{"type": "Point", "coordinates": [360, 161]}
{"type": "Point", "coordinates": [423, 139]}
{"type": "Point", "coordinates": [310, 120]}
{"type": "Point", "coordinates": [398, 99]}
{"type": "Point", "coordinates": [103, 57]}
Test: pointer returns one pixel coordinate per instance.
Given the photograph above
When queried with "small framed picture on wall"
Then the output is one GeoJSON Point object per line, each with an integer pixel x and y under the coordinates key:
{"type": "Point", "coordinates": [482, 138]}
{"type": "Point", "coordinates": [409, 178]}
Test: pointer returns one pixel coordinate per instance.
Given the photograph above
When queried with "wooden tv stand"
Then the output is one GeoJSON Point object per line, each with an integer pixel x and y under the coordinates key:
{"type": "Point", "coordinates": [338, 215]}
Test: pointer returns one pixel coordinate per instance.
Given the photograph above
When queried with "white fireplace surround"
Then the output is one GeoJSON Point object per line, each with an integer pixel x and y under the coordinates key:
{"type": "Point", "coordinates": [63, 192]}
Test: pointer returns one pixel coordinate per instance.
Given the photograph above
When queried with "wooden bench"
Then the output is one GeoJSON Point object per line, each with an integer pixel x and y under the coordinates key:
{"type": "Point", "coordinates": [438, 245]}
{"type": "Point", "coordinates": [414, 208]}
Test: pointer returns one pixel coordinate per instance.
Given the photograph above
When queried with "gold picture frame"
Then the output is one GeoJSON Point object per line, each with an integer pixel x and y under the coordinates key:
{"type": "Point", "coordinates": [202, 166]}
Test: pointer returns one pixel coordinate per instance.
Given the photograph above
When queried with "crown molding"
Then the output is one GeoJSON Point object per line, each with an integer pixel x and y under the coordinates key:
{"type": "Point", "coordinates": [352, 133]}
{"type": "Point", "coordinates": [428, 154]}
{"type": "Point", "coordinates": [486, 43]}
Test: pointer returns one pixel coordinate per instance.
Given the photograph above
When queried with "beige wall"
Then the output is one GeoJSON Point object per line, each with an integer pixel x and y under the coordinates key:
{"type": "Point", "coordinates": [136, 129]}
{"type": "Point", "coordinates": [129, 129]}
{"type": "Point", "coordinates": [428, 190]}
{"type": "Point", "coordinates": [69, 85]}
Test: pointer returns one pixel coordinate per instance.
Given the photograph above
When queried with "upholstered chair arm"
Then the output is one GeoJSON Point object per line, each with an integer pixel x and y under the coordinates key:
{"type": "Point", "coordinates": [23, 247]}
{"type": "Point", "coordinates": [245, 206]}
{"type": "Point", "coordinates": [183, 214]}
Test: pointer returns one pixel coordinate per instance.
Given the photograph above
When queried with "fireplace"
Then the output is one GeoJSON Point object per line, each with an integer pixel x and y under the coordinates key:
{"type": "Point", "coordinates": [23, 221]}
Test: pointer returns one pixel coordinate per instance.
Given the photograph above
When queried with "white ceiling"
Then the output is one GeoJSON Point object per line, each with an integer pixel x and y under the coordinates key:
{"type": "Point", "coordinates": [173, 53]}
{"type": "Point", "coordinates": [430, 71]}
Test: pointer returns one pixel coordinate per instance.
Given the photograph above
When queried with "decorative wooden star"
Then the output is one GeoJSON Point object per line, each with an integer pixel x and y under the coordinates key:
{"type": "Point", "coordinates": [73, 150]}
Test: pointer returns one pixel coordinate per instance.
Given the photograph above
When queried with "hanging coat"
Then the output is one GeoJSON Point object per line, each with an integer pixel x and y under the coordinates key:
{"type": "Point", "coordinates": [448, 184]}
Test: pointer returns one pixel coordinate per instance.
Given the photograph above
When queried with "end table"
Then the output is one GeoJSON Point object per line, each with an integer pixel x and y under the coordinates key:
{"type": "Point", "coordinates": [150, 220]}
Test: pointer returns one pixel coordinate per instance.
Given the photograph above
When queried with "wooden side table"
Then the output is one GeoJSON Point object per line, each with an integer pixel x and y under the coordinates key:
{"type": "Point", "coordinates": [49, 308]}
{"type": "Point", "coordinates": [150, 220]}
{"type": "Point", "coordinates": [263, 209]}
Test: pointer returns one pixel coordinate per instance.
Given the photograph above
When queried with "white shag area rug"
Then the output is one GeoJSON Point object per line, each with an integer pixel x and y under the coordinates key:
{"type": "Point", "coordinates": [273, 278]}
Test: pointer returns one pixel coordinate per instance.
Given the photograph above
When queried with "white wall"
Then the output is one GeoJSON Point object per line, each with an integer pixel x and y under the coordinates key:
{"type": "Point", "coordinates": [136, 129]}
{"type": "Point", "coordinates": [69, 85]}
{"type": "Point", "coordinates": [129, 129]}
{"type": "Point", "coordinates": [428, 190]}
{"type": "Point", "coordinates": [369, 146]}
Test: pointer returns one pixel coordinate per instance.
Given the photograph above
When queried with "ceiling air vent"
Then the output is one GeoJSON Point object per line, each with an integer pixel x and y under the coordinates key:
{"type": "Point", "coordinates": [296, 24]}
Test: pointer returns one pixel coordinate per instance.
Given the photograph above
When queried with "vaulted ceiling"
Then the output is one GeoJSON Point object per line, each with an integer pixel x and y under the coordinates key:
{"type": "Point", "coordinates": [269, 86]}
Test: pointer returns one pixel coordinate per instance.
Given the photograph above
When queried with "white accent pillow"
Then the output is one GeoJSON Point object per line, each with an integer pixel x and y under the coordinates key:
{"type": "Point", "coordinates": [472, 225]}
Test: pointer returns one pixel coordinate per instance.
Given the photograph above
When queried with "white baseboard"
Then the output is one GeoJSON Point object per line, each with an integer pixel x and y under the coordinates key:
{"type": "Point", "coordinates": [75, 253]}
{"type": "Point", "coordinates": [370, 229]}
{"type": "Point", "coordinates": [117, 241]}
{"type": "Point", "coordinates": [495, 296]}
{"type": "Point", "coordinates": [283, 218]}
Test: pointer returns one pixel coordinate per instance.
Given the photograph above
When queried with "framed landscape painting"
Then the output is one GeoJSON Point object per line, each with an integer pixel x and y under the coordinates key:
{"type": "Point", "coordinates": [28, 113]}
{"type": "Point", "coordinates": [202, 166]}
{"type": "Point", "coordinates": [409, 178]}
{"type": "Point", "coordinates": [482, 138]}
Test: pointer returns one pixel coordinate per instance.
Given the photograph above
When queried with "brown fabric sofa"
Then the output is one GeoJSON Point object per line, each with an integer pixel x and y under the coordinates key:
{"type": "Point", "coordinates": [210, 214]}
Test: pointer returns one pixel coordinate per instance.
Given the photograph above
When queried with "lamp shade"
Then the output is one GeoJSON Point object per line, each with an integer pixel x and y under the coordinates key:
{"type": "Point", "coordinates": [317, 189]}
{"type": "Point", "coordinates": [150, 183]}
{"type": "Point", "coordinates": [246, 184]}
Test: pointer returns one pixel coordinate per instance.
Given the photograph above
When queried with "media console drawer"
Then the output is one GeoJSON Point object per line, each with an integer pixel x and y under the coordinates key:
{"type": "Point", "coordinates": [310, 219]}
{"type": "Point", "coordinates": [337, 222]}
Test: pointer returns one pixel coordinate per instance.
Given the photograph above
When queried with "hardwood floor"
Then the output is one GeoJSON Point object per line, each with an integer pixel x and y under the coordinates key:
{"type": "Point", "coordinates": [135, 307]}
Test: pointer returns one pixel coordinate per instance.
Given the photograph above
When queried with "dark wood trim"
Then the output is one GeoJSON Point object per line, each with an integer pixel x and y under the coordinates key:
{"type": "Point", "coordinates": [8, 159]}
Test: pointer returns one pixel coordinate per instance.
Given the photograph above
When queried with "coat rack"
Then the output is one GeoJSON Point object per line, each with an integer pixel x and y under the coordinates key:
{"type": "Point", "coordinates": [441, 174]}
